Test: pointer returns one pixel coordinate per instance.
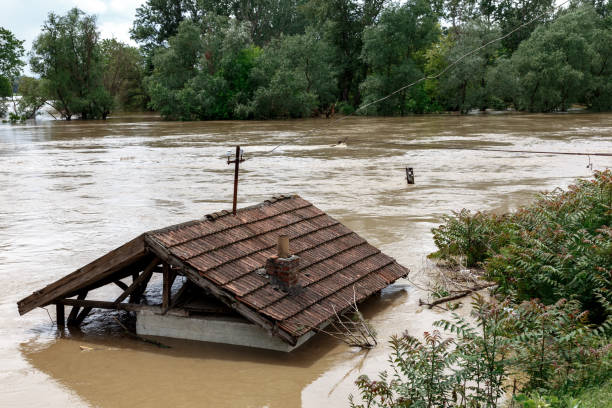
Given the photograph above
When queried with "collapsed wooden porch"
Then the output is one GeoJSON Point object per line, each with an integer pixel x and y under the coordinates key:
{"type": "Point", "coordinates": [138, 261]}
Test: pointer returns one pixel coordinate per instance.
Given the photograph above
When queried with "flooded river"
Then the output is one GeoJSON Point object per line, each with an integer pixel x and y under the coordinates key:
{"type": "Point", "coordinates": [71, 191]}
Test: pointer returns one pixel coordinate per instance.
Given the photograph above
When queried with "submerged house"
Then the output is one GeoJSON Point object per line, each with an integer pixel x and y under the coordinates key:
{"type": "Point", "coordinates": [269, 276]}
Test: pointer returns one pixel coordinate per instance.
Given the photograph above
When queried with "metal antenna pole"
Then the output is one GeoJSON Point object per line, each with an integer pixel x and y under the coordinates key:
{"type": "Point", "coordinates": [236, 169]}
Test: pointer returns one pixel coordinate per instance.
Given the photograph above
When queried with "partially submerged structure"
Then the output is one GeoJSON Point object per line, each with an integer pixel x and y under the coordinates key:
{"type": "Point", "coordinates": [241, 284]}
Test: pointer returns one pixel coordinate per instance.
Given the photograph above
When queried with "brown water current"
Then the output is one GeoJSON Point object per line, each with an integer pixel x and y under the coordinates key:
{"type": "Point", "coordinates": [71, 191]}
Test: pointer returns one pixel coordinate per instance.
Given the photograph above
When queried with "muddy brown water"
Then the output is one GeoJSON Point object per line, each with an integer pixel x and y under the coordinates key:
{"type": "Point", "coordinates": [70, 192]}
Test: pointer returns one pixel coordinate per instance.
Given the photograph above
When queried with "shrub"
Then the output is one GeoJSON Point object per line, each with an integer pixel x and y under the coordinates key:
{"type": "Point", "coordinates": [558, 247]}
{"type": "Point", "coordinates": [548, 350]}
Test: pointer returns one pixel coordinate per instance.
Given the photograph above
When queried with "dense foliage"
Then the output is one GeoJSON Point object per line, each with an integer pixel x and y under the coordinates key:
{"type": "Point", "coordinates": [11, 51]}
{"type": "Point", "coordinates": [302, 58]}
{"type": "Point", "coordinates": [524, 350]}
{"type": "Point", "coordinates": [123, 75]}
{"type": "Point", "coordinates": [67, 55]}
{"type": "Point", "coordinates": [543, 337]}
{"type": "Point", "coordinates": [255, 59]}
{"type": "Point", "coordinates": [79, 74]}
{"type": "Point", "coordinates": [558, 247]}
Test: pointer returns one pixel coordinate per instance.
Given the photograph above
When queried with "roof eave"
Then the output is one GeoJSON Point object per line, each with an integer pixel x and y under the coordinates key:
{"type": "Point", "coordinates": [98, 269]}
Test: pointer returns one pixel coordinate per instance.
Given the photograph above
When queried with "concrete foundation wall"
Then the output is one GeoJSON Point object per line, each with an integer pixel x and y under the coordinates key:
{"type": "Point", "coordinates": [225, 330]}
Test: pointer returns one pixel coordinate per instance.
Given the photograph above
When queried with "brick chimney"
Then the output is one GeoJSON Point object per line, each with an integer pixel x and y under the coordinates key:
{"type": "Point", "coordinates": [284, 268]}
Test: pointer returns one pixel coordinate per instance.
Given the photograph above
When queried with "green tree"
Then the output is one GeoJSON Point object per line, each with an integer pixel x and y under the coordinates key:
{"type": "Point", "coordinates": [394, 51]}
{"type": "Point", "coordinates": [6, 88]}
{"type": "Point", "coordinates": [11, 52]}
{"type": "Point", "coordinates": [458, 12]}
{"type": "Point", "coordinates": [5, 92]}
{"type": "Point", "coordinates": [503, 85]}
{"type": "Point", "coordinates": [510, 14]}
{"type": "Point", "coordinates": [123, 74]}
{"type": "Point", "coordinates": [294, 77]}
{"type": "Point", "coordinates": [67, 55]}
{"type": "Point", "coordinates": [342, 23]}
{"type": "Point", "coordinates": [599, 95]}
{"type": "Point", "coordinates": [554, 64]}
{"type": "Point", "coordinates": [159, 20]}
{"type": "Point", "coordinates": [33, 97]}
{"type": "Point", "coordinates": [269, 19]}
{"type": "Point", "coordinates": [204, 73]}
{"type": "Point", "coordinates": [464, 85]}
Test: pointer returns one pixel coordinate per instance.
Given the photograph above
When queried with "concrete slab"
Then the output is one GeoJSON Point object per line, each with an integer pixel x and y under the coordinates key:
{"type": "Point", "coordinates": [227, 330]}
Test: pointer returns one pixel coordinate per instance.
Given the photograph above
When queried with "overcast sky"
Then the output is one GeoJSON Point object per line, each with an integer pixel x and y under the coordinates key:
{"type": "Point", "coordinates": [24, 18]}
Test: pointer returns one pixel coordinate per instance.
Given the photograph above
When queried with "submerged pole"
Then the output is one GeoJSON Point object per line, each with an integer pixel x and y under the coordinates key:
{"type": "Point", "coordinates": [409, 175]}
{"type": "Point", "coordinates": [59, 313]}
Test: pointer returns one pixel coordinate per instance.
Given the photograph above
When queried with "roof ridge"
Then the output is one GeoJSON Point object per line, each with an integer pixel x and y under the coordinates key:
{"type": "Point", "coordinates": [218, 214]}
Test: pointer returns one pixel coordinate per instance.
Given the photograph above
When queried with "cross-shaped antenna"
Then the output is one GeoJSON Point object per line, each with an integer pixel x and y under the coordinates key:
{"type": "Point", "coordinates": [239, 159]}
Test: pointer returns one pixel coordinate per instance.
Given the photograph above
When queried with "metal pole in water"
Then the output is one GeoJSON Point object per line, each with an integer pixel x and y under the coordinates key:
{"type": "Point", "coordinates": [409, 175]}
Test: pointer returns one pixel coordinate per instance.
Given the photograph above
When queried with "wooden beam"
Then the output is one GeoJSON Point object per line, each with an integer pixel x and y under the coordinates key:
{"type": "Point", "coordinates": [100, 268]}
{"type": "Point", "coordinates": [180, 293]}
{"type": "Point", "coordinates": [121, 284]}
{"type": "Point", "coordinates": [74, 312]}
{"type": "Point", "coordinates": [99, 304]}
{"type": "Point", "coordinates": [166, 288]}
{"type": "Point", "coordinates": [143, 276]}
{"type": "Point", "coordinates": [137, 294]}
{"type": "Point", "coordinates": [133, 268]}
{"type": "Point", "coordinates": [79, 319]}
{"type": "Point", "coordinates": [59, 313]}
{"type": "Point", "coordinates": [131, 307]}
{"type": "Point", "coordinates": [194, 275]}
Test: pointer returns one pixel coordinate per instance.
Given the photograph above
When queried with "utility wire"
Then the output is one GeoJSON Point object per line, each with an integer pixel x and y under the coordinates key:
{"type": "Point", "coordinates": [436, 76]}
{"type": "Point", "coordinates": [531, 151]}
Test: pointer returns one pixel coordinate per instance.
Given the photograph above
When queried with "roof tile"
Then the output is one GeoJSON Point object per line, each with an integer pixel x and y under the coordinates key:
{"type": "Point", "coordinates": [336, 264]}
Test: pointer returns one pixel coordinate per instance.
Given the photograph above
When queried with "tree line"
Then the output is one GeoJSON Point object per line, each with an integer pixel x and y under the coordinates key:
{"type": "Point", "coordinates": [262, 59]}
{"type": "Point", "coordinates": [79, 74]}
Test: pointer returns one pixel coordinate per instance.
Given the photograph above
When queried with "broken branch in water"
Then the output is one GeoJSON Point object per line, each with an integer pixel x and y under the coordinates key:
{"type": "Point", "coordinates": [456, 296]}
{"type": "Point", "coordinates": [351, 327]}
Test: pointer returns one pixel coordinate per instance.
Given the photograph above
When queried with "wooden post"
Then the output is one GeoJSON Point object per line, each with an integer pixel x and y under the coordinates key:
{"type": "Point", "coordinates": [409, 175]}
{"type": "Point", "coordinates": [79, 319]}
{"type": "Point", "coordinates": [74, 312]}
{"type": "Point", "coordinates": [236, 169]}
{"type": "Point", "coordinates": [122, 285]}
{"type": "Point", "coordinates": [144, 276]}
{"type": "Point", "coordinates": [59, 313]}
{"type": "Point", "coordinates": [167, 288]}
{"type": "Point", "coordinates": [236, 162]}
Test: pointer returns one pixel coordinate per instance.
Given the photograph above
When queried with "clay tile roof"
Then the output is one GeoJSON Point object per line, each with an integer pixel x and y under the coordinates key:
{"type": "Point", "coordinates": [336, 264]}
{"type": "Point", "coordinates": [223, 253]}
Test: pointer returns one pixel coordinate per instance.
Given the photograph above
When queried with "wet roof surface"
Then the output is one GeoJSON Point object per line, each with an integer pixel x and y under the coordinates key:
{"type": "Point", "coordinates": [336, 264]}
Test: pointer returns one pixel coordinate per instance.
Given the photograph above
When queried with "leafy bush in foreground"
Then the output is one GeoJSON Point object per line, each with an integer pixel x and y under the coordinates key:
{"type": "Point", "coordinates": [548, 338]}
{"type": "Point", "coordinates": [545, 350]}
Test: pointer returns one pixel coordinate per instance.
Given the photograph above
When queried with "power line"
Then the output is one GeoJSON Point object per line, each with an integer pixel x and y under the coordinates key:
{"type": "Point", "coordinates": [531, 151]}
{"type": "Point", "coordinates": [436, 76]}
